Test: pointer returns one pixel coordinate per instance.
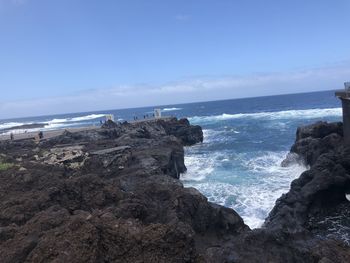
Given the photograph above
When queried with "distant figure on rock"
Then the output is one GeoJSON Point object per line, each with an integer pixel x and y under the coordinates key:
{"type": "Point", "coordinates": [11, 136]}
{"type": "Point", "coordinates": [41, 135]}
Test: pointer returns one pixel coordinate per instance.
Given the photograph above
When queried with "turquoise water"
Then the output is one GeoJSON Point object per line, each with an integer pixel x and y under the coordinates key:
{"type": "Point", "coordinates": [245, 140]}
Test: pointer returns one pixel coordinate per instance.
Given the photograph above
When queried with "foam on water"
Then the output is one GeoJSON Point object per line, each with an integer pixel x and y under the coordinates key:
{"type": "Point", "coordinates": [87, 117]}
{"type": "Point", "coordinates": [171, 109]}
{"type": "Point", "coordinates": [288, 114]}
{"type": "Point", "coordinates": [77, 119]}
{"type": "Point", "coordinates": [49, 127]}
{"type": "Point", "coordinates": [7, 125]}
{"type": "Point", "coordinates": [52, 124]}
{"type": "Point", "coordinates": [253, 198]}
{"type": "Point", "coordinates": [199, 167]}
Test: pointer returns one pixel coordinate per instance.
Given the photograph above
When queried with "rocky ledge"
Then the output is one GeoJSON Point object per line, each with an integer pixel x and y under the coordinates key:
{"type": "Point", "coordinates": [107, 195]}
{"type": "Point", "coordinates": [113, 195]}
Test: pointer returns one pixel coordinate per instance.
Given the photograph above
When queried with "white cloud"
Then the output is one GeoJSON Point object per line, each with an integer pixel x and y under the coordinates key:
{"type": "Point", "coordinates": [183, 91]}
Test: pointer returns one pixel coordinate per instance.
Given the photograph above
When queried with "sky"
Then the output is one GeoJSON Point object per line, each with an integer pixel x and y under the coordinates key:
{"type": "Point", "coordinates": [61, 56]}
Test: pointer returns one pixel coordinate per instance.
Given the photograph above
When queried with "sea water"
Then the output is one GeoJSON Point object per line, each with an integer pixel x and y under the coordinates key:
{"type": "Point", "coordinates": [245, 141]}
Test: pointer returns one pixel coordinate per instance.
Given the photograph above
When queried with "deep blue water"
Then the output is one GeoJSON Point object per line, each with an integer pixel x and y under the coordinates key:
{"type": "Point", "coordinates": [238, 164]}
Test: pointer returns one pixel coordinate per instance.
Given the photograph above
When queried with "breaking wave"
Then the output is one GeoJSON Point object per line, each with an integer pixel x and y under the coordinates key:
{"type": "Point", "coordinates": [250, 190]}
{"type": "Point", "coordinates": [50, 125]}
{"type": "Point", "coordinates": [8, 125]}
{"type": "Point", "coordinates": [77, 119]}
{"type": "Point", "coordinates": [288, 114]}
{"type": "Point", "coordinates": [171, 109]}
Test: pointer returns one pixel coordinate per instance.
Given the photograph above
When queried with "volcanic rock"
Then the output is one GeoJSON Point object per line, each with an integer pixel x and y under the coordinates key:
{"type": "Point", "coordinates": [108, 195]}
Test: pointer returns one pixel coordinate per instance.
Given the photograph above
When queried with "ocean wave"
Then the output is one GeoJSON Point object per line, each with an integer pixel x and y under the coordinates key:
{"type": "Point", "coordinates": [198, 168]}
{"type": "Point", "coordinates": [8, 125]}
{"type": "Point", "coordinates": [77, 119]}
{"type": "Point", "coordinates": [88, 117]}
{"type": "Point", "coordinates": [288, 114]}
{"type": "Point", "coordinates": [251, 190]}
{"type": "Point", "coordinates": [171, 109]}
{"type": "Point", "coordinates": [48, 127]}
{"type": "Point", "coordinates": [219, 136]}
{"type": "Point", "coordinates": [51, 124]}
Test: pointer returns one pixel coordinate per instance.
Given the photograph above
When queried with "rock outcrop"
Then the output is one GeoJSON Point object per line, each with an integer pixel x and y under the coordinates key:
{"type": "Point", "coordinates": [319, 193]}
{"type": "Point", "coordinates": [113, 195]}
{"type": "Point", "coordinates": [108, 195]}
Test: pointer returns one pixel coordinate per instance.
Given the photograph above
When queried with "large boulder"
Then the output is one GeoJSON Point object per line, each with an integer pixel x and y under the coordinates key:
{"type": "Point", "coordinates": [189, 134]}
{"type": "Point", "coordinates": [314, 140]}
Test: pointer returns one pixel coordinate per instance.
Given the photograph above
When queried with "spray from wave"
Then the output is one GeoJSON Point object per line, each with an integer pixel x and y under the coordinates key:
{"type": "Point", "coordinates": [251, 192]}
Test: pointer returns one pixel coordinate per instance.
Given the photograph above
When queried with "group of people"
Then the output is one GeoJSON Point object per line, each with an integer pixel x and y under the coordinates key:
{"type": "Point", "coordinates": [146, 116]}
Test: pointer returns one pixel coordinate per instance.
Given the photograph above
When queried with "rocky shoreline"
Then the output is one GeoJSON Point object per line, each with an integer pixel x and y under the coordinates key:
{"type": "Point", "coordinates": [113, 195]}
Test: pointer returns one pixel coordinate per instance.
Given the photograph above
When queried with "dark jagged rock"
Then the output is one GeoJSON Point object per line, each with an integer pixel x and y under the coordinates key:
{"type": "Point", "coordinates": [113, 195]}
{"type": "Point", "coordinates": [109, 124]}
{"type": "Point", "coordinates": [182, 129]}
{"type": "Point", "coordinates": [321, 190]}
{"type": "Point", "coordinates": [316, 139]}
{"type": "Point", "coordinates": [319, 130]}
{"type": "Point", "coordinates": [108, 195]}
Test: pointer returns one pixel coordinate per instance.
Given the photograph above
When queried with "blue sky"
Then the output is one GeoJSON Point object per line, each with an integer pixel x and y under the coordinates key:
{"type": "Point", "coordinates": [81, 55]}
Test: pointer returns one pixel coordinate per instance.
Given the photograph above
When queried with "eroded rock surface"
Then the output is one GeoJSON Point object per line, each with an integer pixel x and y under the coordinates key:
{"type": "Point", "coordinates": [317, 200]}
{"type": "Point", "coordinates": [107, 195]}
{"type": "Point", "coordinates": [113, 195]}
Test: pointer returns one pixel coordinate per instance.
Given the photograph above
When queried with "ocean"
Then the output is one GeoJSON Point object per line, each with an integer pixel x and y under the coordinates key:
{"type": "Point", "coordinates": [245, 141]}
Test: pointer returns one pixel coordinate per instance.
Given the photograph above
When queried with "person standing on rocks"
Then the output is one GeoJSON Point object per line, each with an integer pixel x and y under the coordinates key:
{"type": "Point", "coordinates": [11, 136]}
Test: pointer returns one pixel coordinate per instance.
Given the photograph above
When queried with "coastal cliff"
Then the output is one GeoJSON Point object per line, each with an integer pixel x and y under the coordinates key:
{"type": "Point", "coordinates": [113, 195]}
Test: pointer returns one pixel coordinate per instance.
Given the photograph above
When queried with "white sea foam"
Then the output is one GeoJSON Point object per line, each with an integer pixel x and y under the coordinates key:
{"type": "Point", "coordinates": [289, 114]}
{"type": "Point", "coordinates": [212, 136]}
{"type": "Point", "coordinates": [48, 127]}
{"type": "Point", "coordinates": [253, 197]}
{"type": "Point", "coordinates": [171, 109]}
{"type": "Point", "coordinates": [198, 168]}
{"type": "Point", "coordinates": [7, 125]}
{"type": "Point", "coordinates": [58, 121]}
{"type": "Point", "coordinates": [52, 124]}
{"type": "Point", "coordinates": [88, 117]}
{"type": "Point", "coordinates": [77, 119]}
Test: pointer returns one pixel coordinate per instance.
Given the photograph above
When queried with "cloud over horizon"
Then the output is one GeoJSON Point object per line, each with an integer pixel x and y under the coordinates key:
{"type": "Point", "coordinates": [193, 89]}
